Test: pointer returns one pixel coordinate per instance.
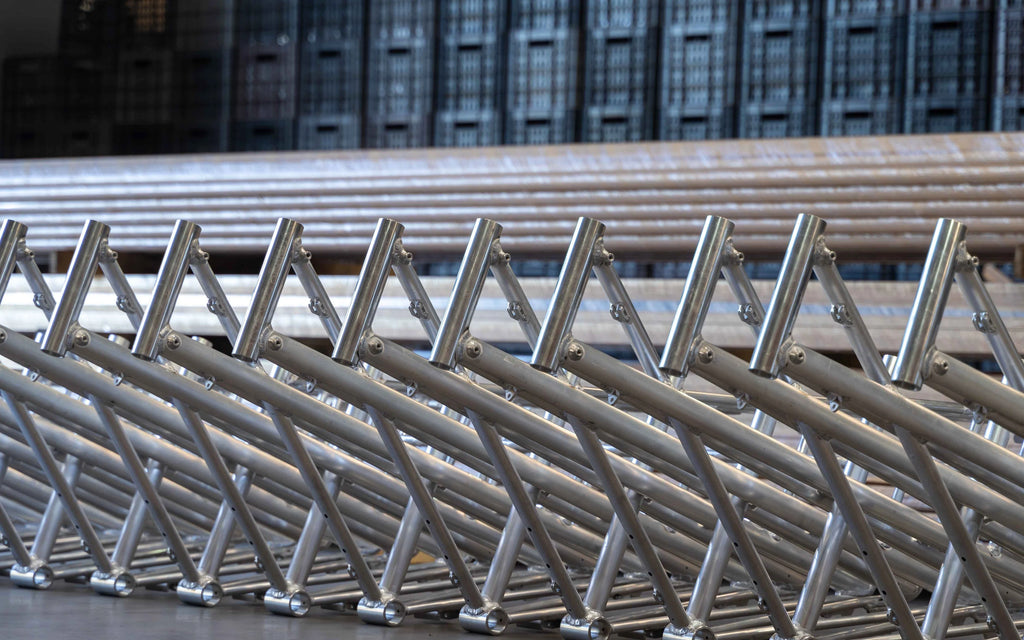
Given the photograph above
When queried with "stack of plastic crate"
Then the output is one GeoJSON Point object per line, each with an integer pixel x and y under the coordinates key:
{"type": "Point", "coordinates": [863, 67]}
{"type": "Point", "coordinates": [330, 75]}
{"type": "Point", "coordinates": [33, 104]}
{"type": "Point", "coordinates": [698, 70]}
{"type": "Point", "coordinates": [949, 66]}
{"type": "Point", "coordinates": [266, 33]}
{"type": "Point", "coordinates": [470, 72]}
{"type": "Point", "coordinates": [619, 70]}
{"type": "Point", "coordinates": [400, 73]}
{"type": "Point", "coordinates": [779, 68]}
{"type": "Point", "coordinates": [543, 70]}
{"type": "Point", "coordinates": [204, 44]}
{"type": "Point", "coordinates": [1008, 94]}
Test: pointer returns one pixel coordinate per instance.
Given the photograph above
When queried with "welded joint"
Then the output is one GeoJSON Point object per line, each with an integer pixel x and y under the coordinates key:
{"type": "Point", "coordinates": [982, 321]}
{"type": "Point", "coordinates": [516, 311]}
{"type": "Point", "coordinates": [106, 255]}
{"type": "Point", "coordinates": [196, 255]}
{"type": "Point", "coordinates": [399, 254]}
{"type": "Point", "coordinates": [822, 256]}
{"type": "Point", "coordinates": [730, 254]}
{"type": "Point", "coordinates": [371, 345]}
{"type": "Point", "coordinates": [573, 349]}
{"type": "Point", "coordinates": [964, 261]}
{"type": "Point", "coordinates": [750, 315]}
{"type": "Point", "coordinates": [418, 310]}
{"type": "Point", "coordinates": [472, 348]}
{"type": "Point", "coordinates": [619, 313]}
{"type": "Point", "coordinates": [840, 315]}
{"type": "Point", "coordinates": [601, 257]}
{"type": "Point", "coordinates": [497, 254]}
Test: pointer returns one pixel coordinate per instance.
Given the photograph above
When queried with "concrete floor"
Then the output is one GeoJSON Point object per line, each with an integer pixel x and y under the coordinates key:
{"type": "Point", "coordinates": [73, 612]}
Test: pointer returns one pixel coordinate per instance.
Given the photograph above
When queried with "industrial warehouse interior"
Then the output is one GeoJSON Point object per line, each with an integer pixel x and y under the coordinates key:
{"type": "Point", "coordinates": [582, 319]}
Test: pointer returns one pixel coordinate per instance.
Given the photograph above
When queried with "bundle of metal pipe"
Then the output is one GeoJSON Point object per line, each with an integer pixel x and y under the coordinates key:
{"type": "Point", "coordinates": [882, 195]}
{"type": "Point", "coordinates": [585, 494]}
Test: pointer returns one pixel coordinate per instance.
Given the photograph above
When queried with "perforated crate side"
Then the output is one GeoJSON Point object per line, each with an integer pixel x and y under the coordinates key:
{"type": "Point", "coordinates": [266, 22]}
{"type": "Point", "coordinates": [698, 13]}
{"type": "Point", "coordinates": [620, 67]}
{"type": "Point", "coordinates": [467, 20]}
{"type": "Point", "coordinates": [542, 70]}
{"type": "Point", "coordinates": [145, 87]}
{"type": "Point", "coordinates": [949, 54]}
{"type": "Point", "coordinates": [552, 127]}
{"type": "Point", "coordinates": [864, 59]}
{"type": "Point", "coordinates": [1010, 113]}
{"type": "Point", "coordinates": [865, 8]}
{"type": "Point", "coordinates": [326, 132]}
{"type": "Point", "coordinates": [400, 20]}
{"type": "Point", "coordinates": [29, 140]}
{"type": "Point", "coordinates": [201, 136]}
{"type": "Point", "coordinates": [470, 74]}
{"type": "Point", "coordinates": [708, 122]}
{"type": "Point", "coordinates": [400, 78]}
{"type": "Point", "coordinates": [397, 132]}
{"type": "Point", "coordinates": [544, 15]}
{"type": "Point", "coordinates": [204, 25]}
{"type": "Point", "coordinates": [90, 88]}
{"type": "Point", "coordinates": [203, 85]}
{"type": "Point", "coordinates": [467, 129]}
{"type": "Point", "coordinates": [946, 115]}
{"type": "Point", "coordinates": [33, 89]}
{"type": "Point", "coordinates": [950, 5]}
{"type": "Point", "coordinates": [330, 77]}
{"type": "Point", "coordinates": [330, 20]}
{"type": "Point", "coordinates": [86, 138]}
{"type": "Point", "coordinates": [781, 10]}
{"type": "Point", "coordinates": [89, 28]}
{"type": "Point", "coordinates": [265, 88]}
{"type": "Point", "coordinates": [147, 23]}
{"type": "Point", "coordinates": [264, 135]}
{"type": "Point", "coordinates": [621, 14]}
{"type": "Point", "coordinates": [861, 117]}
{"type": "Point", "coordinates": [142, 139]}
{"type": "Point", "coordinates": [628, 124]}
{"type": "Point", "coordinates": [698, 65]}
{"type": "Point", "coordinates": [775, 121]}
{"type": "Point", "coordinates": [779, 62]}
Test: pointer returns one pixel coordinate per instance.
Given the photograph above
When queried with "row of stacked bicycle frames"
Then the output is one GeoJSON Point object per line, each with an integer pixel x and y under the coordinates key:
{"type": "Point", "coordinates": [572, 491]}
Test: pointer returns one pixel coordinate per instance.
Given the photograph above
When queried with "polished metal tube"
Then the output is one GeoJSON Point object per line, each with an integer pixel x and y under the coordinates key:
{"type": "Point", "coordinates": [789, 291]}
{"type": "Point", "coordinates": [369, 289]}
{"type": "Point", "coordinates": [696, 298]}
{"type": "Point", "coordinates": [76, 286]}
{"type": "Point", "coordinates": [565, 301]}
{"type": "Point", "coordinates": [12, 233]}
{"type": "Point", "coordinates": [929, 303]}
{"type": "Point", "coordinates": [466, 293]}
{"type": "Point", "coordinates": [168, 285]}
{"type": "Point", "coordinates": [273, 273]}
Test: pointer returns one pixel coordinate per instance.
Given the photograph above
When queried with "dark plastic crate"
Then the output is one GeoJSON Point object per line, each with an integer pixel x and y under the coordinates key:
{"type": "Point", "coordinates": [397, 132]}
{"type": "Point", "coordinates": [400, 20]}
{"type": "Point", "coordinates": [619, 67]}
{"type": "Point", "coordinates": [706, 122]}
{"type": "Point", "coordinates": [30, 140]}
{"type": "Point", "coordinates": [469, 73]}
{"type": "Point", "coordinates": [544, 15]}
{"type": "Point", "coordinates": [86, 139]}
{"type": "Point", "coordinates": [480, 129]}
{"type": "Point", "coordinates": [203, 85]}
{"type": "Point", "coordinates": [1010, 114]}
{"type": "Point", "coordinates": [89, 28]}
{"type": "Point", "coordinates": [775, 121]}
{"type": "Point", "coordinates": [1008, 92]}
{"type": "Point", "coordinates": [90, 88]}
{"type": "Point", "coordinates": [330, 77]}
{"type": "Point", "coordinates": [865, 8]}
{"type": "Point", "coordinates": [204, 25]}
{"type": "Point", "coordinates": [469, 20]}
{"type": "Point", "coordinates": [946, 115]}
{"type": "Point", "coordinates": [327, 132]}
{"type": "Point", "coordinates": [147, 24]}
{"type": "Point", "coordinates": [552, 127]}
{"type": "Point", "coordinates": [143, 139]}
{"type": "Point", "coordinates": [621, 14]}
{"type": "Point", "coordinates": [199, 136]}
{"type": "Point", "coordinates": [861, 117]}
{"type": "Point", "coordinates": [265, 83]}
{"type": "Point", "coordinates": [263, 135]}
{"type": "Point", "coordinates": [33, 89]}
{"type": "Point", "coordinates": [330, 20]}
{"type": "Point", "coordinates": [699, 48]}
{"type": "Point", "coordinates": [948, 54]}
{"type": "Point", "coordinates": [400, 78]}
{"type": "Point", "coordinates": [266, 22]}
{"type": "Point", "coordinates": [616, 124]}
{"type": "Point", "coordinates": [864, 59]}
{"type": "Point", "coordinates": [542, 70]}
{"type": "Point", "coordinates": [145, 87]}
{"type": "Point", "coordinates": [779, 68]}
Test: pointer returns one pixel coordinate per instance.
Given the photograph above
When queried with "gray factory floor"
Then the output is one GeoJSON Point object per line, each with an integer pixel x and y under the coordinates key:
{"type": "Point", "coordinates": [73, 612]}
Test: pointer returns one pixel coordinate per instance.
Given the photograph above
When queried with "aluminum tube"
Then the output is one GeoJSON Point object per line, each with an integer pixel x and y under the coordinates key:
{"type": "Point", "coordinates": [929, 303]}
{"type": "Point", "coordinates": [565, 300]}
{"type": "Point", "coordinates": [988, 318]}
{"type": "Point", "coordinates": [168, 285]}
{"type": "Point", "coordinates": [43, 298]}
{"type": "Point", "coordinates": [624, 311]}
{"type": "Point", "coordinates": [131, 532]}
{"type": "Point", "coordinates": [76, 286]}
{"type": "Point", "coordinates": [789, 291]}
{"type": "Point", "coordinates": [216, 298]}
{"type": "Point", "coordinates": [419, 301]}
{"type": "Point", "coordinates": [12, 234]}
{"type": "Point", "coordinates": [972, 388]}
{"type": "Point", "coordinates": [519, 307]}
{"type": "Point", "coordinates": [223, 528]}
{"type": "Point", "coordinates": [696, 298]}
{"type": "Point", "coordinates": [368, 291]}
{"type": "Point", "coordinates": [466, 292]}
{"type": "Point", "coordinates": [267, 292]}
{"type": "Point", "coordinates": [319, 302]}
